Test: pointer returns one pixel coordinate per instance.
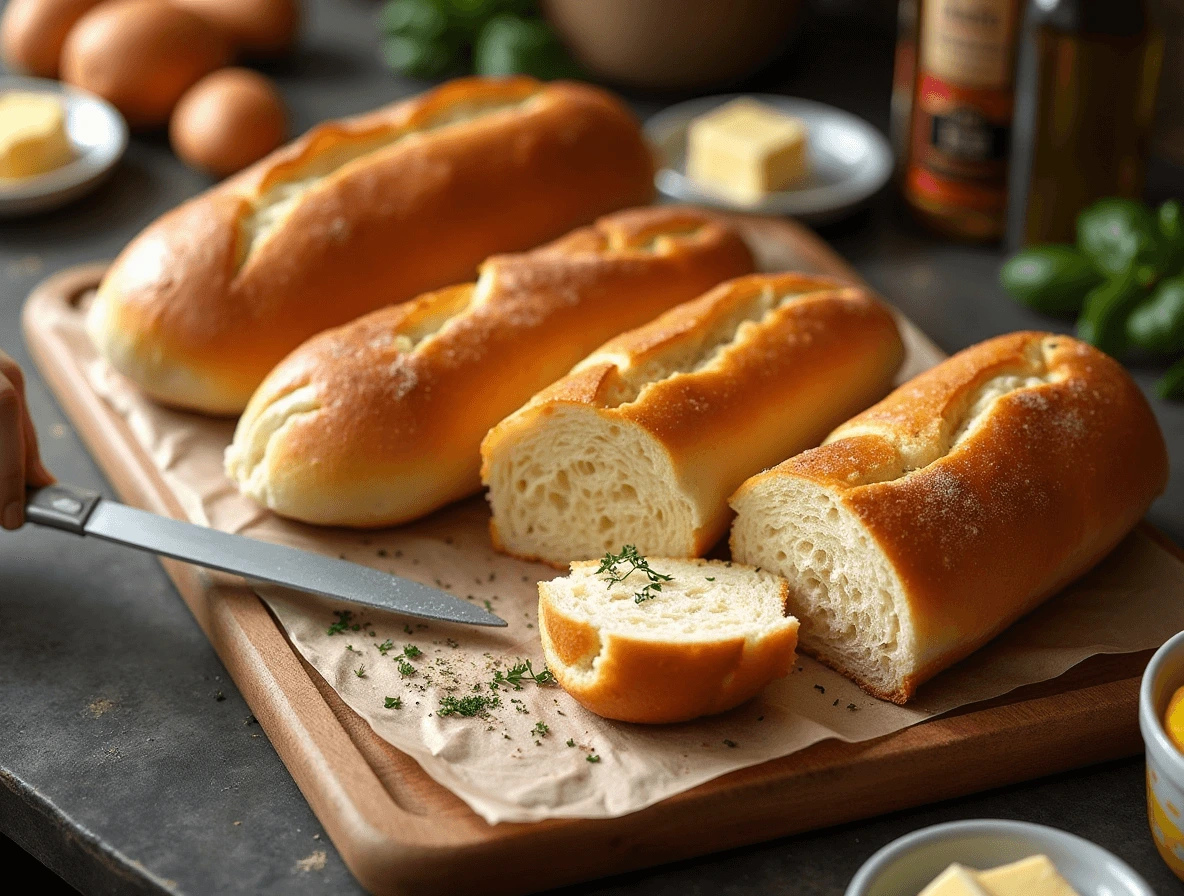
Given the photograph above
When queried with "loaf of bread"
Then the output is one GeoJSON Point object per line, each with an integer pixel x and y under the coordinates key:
{"type": "Point", "coordinates": [712, 637]}
{"type": "Point", "coordinates": [380, 421]}
{"type": "Point", "coordinates": [929, 523]}
{"type": "Point", "coordinates": [645, 440]}
{"type": "Point", "coordinates": [357, 215]}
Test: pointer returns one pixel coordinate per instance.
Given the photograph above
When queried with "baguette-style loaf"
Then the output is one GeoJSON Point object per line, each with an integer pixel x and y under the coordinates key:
{"type": "Point", "coordinates": [712, 638]}
{"type": "Point", "coordinates": [356, 215]}
{"type": "Point", "coordinates": [645, 440]}
{"type": "Point", "coordinates": [929, 523]}
{"type": "Point", "coordinates": [380, 421]}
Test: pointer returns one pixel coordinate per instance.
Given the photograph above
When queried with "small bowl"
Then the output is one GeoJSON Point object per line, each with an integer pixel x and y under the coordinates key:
{"type": "Point", "coordinates": [1165, 763]}
{"type": "Point", "coordinates": [98, 134]}
{"type": "Point", "coordinates": [906, 866]}
{"type": "Point", "coordinates": [849, 160]}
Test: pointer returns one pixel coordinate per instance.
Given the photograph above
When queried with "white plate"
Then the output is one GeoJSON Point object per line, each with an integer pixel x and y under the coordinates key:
{"type": "Point", "coordinates": [849, 160]}
{"type": "Point", "coordinates": [98, 134]}
{"type": "Point", "coordinates": [906, 866]}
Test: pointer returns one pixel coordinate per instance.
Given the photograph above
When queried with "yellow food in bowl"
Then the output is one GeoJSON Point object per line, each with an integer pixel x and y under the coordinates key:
{"type": "Point", "coordinates": [1033, 876]}
{"type": "Point", "coordinates": [32, 135]}
{"type": "Point", "coordinates": [1173, 719]}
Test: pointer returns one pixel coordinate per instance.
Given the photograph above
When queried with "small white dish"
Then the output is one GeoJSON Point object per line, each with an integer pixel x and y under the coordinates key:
{"type": "Point", "coordinates": [98, 134]}
{"type": "Point", "coordinates": [849, 160]}
{"type": "Point", "coordinates": [906, 866]}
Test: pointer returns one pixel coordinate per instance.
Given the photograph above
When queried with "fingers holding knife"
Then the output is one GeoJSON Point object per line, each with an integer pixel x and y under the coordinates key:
{"type": "Point", "coordinates": [20, 461]}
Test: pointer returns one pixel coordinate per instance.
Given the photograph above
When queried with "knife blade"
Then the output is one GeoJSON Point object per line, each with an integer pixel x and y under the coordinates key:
{"type": "Point", "coordinates": [82, 512]}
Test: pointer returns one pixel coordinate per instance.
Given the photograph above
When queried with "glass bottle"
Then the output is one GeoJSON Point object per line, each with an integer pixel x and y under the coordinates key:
{"type": "Point", "coordinates": [1085, 102]}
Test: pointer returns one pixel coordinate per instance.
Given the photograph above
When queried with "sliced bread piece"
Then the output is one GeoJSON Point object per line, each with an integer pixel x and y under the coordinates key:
{"type": "Point", "coordinates": [926, 525]}
{"type": "Point", "coordinates": [665, 640]}
{"type": "Point", "coordinates": [643, 442]}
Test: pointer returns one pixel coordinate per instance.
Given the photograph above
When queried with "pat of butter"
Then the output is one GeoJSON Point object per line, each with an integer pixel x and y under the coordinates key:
{"type": "Point", "coordinates": [746, 149]}
{"type": "Point", "coordinates": [1033, 876]}
{"type": "Point", "coordinates": [32, 134]}
{"type": "Point", "coordinates": [955, 881]}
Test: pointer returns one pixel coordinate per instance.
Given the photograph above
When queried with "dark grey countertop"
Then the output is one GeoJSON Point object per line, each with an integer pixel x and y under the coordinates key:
{"type": "Point", "coordinates": [129, 762]}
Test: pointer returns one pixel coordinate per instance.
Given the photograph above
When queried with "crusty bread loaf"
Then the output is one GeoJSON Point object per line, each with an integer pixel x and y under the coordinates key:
{"type": "Point", "coordinates": [381, 421]}
{"type": "Point", "coordinates": [357, 215]}
{"type": "Point", "coordinates": [929, 523]}
{"type": "Point", "coordinates": [645, 440]}
{"type": "Point", "coordinates": [712, 638]}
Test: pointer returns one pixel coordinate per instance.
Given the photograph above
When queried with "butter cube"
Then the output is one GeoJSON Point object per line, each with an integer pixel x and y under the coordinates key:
{"type": "Point", "coordinates": [956, 880]}
{"type": "Point", "coordinates": [32, 134]}
{"type": "Point", "coordinates": [746, 149]}
{"type": "Point", "coordinates": [1033, 876]}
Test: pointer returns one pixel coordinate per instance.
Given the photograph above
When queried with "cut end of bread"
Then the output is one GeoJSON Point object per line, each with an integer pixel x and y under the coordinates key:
{"type": "Point", "coordinates": [712, 637]}
{"type": "Point", "coordinates": [855, 616]}
{"type": "Point", "coordinates": [608, 476]}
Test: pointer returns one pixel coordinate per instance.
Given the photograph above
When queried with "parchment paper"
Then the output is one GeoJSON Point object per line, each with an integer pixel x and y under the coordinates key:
{"type": "Point", "coordinates": [539, 754]}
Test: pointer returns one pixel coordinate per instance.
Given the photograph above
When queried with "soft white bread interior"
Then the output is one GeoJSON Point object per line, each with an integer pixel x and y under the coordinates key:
{"type": "Point", "coordinates": [380, 421]}
{"type": "Point", "coordinates": [712, 638]}
{"type": "Point", "coordinates": [926, 525]}
{"type": "Point", "coordinates": [645, 440]}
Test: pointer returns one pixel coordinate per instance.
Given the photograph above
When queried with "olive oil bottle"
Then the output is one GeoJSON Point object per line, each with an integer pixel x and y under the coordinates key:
{"type": "Point", "coordinates": [955, 171]}
{"type": "Point", "coordinates": [1085, 100]}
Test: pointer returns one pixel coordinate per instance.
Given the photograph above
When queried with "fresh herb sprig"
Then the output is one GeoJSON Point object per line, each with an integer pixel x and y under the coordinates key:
{"type": "Point", "coordinates": [519, 673]}
{"type": "Point", "coordinates": [614, 563]}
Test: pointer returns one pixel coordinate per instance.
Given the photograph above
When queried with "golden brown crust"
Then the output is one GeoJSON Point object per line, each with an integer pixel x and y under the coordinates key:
{"type": "Point", "coordinates": [776, 391]}
{"type": "Point", "coordinates": [403, 428]}
{"type": "Point", "coordinates": [654, 681]}
{"type": "Point", "coordinates": [193, 328]}
{"type": "Point", "coordinates": [982, 531]}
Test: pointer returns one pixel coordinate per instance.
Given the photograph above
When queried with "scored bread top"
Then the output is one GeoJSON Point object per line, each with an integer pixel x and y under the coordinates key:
{"type": "Point", "coordinates": [993, 479]}
{"type": "Point", "coordinates": [381, 420]}
{"type": "Point", "coordinates": [358, 214]}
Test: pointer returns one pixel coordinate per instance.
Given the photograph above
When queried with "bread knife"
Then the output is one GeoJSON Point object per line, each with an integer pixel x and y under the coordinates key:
{"type": "Point", "coordinates": [81, 512]}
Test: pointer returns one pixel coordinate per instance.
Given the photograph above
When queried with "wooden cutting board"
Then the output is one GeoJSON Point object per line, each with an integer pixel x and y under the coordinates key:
{"type": "Point", "coordinates": [400, 832]}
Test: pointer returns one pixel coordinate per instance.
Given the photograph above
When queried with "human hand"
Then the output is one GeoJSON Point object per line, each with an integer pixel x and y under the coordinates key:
{"type": "Point", "coordinates": [20, 462]}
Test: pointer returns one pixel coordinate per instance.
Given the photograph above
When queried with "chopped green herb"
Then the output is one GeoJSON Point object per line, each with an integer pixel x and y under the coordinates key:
{"type": "Point", "coordinates": [411, 651]}
{"type": "Point", "coordinates": [473, 705]}
{"type": "Point", "coordinates": [405, 668]}
{"type": "Point", "coordinates": [344, 619]}
{"type": "Point", "coordinates": [360, 671]}
{"type": "Point", "coordinates": [385, 647]}
{"type": "Point", "coordinates": [710, 578]}
{"type": "Point", "coordinates": [729, 743]}
{"type": "Point", "coordinates": [407, 629]}
{"type": "Point", "coordinates": [570, 742]}
{"type": "Point", "coordinates": [541, 729]}
{"type": "Point", "coordinates": [352, 649]}
{"type": "Point", "coordinates": [523, 671]}
{"type": "Point", "coordinates": [820, 689]}
{"type": "Point", "coordinates": [637, 563]}
{"type": "Point", "coordinates": [592, 757]}
{"type": "Point", "coordinates": [393, 702]}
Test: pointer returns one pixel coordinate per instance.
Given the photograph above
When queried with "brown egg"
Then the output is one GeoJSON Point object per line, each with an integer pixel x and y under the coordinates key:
{"type": "Point", "coordinates": [32, 33]}
{"type": "Point", "coordinates": [263, 27]}
{"type": "Point", "coordinates": [141, 55]}
{"type": "Point", "coordinates": [228, 120]}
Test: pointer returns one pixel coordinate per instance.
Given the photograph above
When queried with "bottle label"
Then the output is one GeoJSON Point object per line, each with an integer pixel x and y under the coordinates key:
{"type": "Point", "coordinates": [970, 42]}
{"type": "Point", "coordinates": [963, 109]}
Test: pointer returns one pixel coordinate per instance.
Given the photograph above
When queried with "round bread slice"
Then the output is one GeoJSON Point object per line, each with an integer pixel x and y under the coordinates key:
{"type": "Point", "coordinates": [711, 637]}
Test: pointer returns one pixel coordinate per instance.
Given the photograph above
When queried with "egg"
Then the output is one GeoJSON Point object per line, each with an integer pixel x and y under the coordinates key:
{"type": "Point", "coordinates": [141, 55]}
{"type": "Point", "coordinates": [264, 27]}
{"type": "Point", "coordinates": [32, 33]}
{"type": "Point", "coordinates": [228, 120]}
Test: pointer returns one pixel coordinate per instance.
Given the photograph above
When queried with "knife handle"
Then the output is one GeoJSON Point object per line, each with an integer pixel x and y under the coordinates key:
{"type": "Point", "coordinates": [61, 506]}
